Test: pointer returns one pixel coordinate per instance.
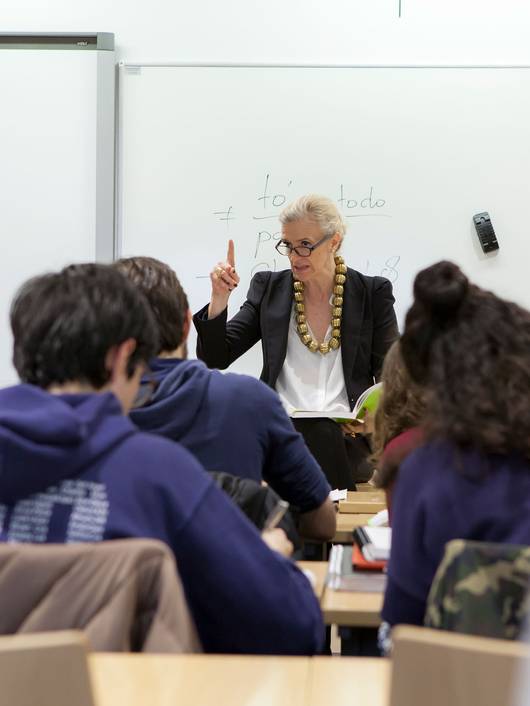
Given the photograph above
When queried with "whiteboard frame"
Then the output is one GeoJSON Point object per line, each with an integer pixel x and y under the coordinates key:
{"type": "Point", "coordinates": [236, 65]}
{"type": "Point", "coordinates": [106, 86]}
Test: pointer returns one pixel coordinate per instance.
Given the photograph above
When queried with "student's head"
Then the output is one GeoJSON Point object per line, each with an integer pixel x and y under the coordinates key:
{"type": "Point", "coordinates": [311, 220]}
{"type": "Point", "coordinates": [160, 286]}
{"type": "Point", "coordinates": [401, 407]}
{"type": "Point", "coordinates": [85, 328]}
{"type": "Point", "coordinates": [472, 350]}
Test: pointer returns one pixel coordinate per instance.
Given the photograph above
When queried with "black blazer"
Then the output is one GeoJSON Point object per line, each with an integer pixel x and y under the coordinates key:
{"type": "Point", "coordinates": [368, 328]}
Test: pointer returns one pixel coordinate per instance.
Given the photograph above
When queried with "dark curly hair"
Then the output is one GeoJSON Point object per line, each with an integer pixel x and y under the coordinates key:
{"type": "Point", "coordinates": [162, 289]}
{"type": "Point", "coordinates": [471, 350]}
{"type": "Point", "coordinates": [65, 323]}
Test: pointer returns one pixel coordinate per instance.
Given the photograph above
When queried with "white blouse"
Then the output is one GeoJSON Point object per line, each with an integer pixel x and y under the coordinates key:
{"type": "Point", "coordinates": [311, 381]}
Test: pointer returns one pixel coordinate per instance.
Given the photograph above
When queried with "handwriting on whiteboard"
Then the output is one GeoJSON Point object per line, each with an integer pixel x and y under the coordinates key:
{"type": "Point", "coordinates": [367, 202]}
{"type": "Point", "coordinates": [388, 267]}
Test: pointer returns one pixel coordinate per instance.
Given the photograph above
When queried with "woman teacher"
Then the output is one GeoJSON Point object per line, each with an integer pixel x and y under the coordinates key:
{"type": "Point", "coordinates": [324, 329]}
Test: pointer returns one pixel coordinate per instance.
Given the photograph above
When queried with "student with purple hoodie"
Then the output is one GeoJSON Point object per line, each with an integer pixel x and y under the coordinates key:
{"type": "Point", "coordinates": [231, 423]}
{"type": "Point", "coordinates": [469, 350]}
{"type": "Point", "coordinates": [75, 468]}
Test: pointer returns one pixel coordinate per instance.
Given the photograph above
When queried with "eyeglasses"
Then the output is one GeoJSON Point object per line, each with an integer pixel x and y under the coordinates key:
{"type": "Point", "coordinates": [285, 248]}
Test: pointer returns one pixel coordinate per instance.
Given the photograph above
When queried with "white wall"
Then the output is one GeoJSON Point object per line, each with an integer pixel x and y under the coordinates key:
{"type": "Point", "coordinates": [293, 31]}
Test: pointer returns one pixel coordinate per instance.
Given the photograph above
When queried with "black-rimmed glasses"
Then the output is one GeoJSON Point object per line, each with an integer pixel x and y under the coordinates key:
{"type": "Point", "coordinates": [285, 248]}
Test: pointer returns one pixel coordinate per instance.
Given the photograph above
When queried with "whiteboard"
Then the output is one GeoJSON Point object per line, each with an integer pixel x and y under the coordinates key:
{"type": "Point", "coordinates": [208, 153]}
{"type": "Point", "coordinates": [50, 203]}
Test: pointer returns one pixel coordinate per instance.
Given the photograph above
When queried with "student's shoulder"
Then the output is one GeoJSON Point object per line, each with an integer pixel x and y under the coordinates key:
{"type": "Point", "coordinates": [159, 452]}
{"type": "Point", "coordinates": [246, 388]}
{"type": "Point", "coordinates": [427, 465]}
{"type": "Point", "coordinates": [260, 403]}
{"type": "Point", "coordinates": [251, 403]}
{"type": "Point", "coordinates": [403, 444]}
{"type": "Point", "coordinates": [159, 475]}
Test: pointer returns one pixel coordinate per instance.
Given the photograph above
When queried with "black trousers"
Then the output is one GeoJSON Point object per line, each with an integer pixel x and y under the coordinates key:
{"type": "Point", "coordinates": [344, 459]}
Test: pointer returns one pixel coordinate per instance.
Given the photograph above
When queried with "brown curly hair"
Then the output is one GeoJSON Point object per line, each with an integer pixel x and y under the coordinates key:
{"type": "Point", "coordinates": [401, 407]}
{"type": "Point", "coordinates": [472, 349]}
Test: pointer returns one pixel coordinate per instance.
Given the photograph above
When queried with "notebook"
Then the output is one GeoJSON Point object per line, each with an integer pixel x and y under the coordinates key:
{"type": "Point", "coordinates": [374, 542]}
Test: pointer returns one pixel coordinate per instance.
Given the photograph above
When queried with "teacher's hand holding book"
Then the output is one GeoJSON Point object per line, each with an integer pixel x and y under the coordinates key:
{"type": "Point", "coordinates": [353, 427]}
{"type": "Point", "coordinates": [359, 426]}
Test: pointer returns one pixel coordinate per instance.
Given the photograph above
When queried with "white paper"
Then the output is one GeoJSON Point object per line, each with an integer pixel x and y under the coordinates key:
{"type": "Point", "coordinates": [380, 540]}
{"type": "Point", "coordinates": [336, 495]}
{"type": "Point", "coordinates": [380, 519]}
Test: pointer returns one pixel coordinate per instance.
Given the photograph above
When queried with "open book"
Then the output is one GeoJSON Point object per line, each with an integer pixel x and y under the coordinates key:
{"type": "Point", "coordinates": [367, 402]}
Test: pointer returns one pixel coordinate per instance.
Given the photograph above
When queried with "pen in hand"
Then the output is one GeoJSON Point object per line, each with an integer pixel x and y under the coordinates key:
{"type": "Point", "coordinates": [275, 517]}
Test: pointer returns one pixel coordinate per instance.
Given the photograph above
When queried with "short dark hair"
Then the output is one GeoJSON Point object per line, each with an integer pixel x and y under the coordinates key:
{"type": "Point", "coordinates": [160, 286]}
{"type": "Point", "coordinates": [65, 323]}
{"type": "Point", "coordinates": [471, 349]}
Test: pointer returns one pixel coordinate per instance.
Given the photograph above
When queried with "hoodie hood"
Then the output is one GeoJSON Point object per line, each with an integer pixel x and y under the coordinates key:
{"type": "Point", "coordinates": [180, 396]}
{"type": "Point", "coordinates": [47, 438]}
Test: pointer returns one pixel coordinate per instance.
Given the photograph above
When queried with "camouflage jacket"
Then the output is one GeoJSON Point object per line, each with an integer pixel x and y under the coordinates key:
{"type": "Point", "coordinates": [481, 589]}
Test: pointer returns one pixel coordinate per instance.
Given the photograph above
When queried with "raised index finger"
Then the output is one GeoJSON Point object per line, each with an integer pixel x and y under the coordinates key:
{"type": "Point", "coordinates": [230, 256]}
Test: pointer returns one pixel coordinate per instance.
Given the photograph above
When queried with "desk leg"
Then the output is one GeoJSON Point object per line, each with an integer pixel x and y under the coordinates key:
{"type": "Point", "coordinates": [315, 551]}
{"type": "Point", "coordinates": [358, 642]}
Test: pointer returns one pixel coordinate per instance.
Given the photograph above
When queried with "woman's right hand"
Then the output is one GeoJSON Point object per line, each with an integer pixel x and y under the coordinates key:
{"type": "Point", "coordinates": [224, 279]}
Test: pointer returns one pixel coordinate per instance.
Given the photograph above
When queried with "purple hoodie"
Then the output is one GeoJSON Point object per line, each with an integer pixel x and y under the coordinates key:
{"type": "Point", "coordinates": [443, 493]}
{"type": "Point", "coordinates": [74, 469]}
{"type": "Point", "coordinates": [233, 424]}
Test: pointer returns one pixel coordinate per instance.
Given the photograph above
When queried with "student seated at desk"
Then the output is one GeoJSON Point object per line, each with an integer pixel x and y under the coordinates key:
{"type": "Point", "coordinates": [471, 480]}
{"type": "Point", "coordinates": [76, 469]}
{"type": "Point", "coordinates": [230, 423]}
{"type": "Point", "coordinates": [397, 430]}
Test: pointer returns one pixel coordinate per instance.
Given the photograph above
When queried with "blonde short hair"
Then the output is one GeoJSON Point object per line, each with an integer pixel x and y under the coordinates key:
{"type": "Point", "coordinates": [319, 209]}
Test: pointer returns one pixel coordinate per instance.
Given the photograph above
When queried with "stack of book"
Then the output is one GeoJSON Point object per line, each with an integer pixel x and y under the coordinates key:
{"type": "Point", "coordinates": [373, 543]}
{"type": "Point", "coordinates": [347, 573]}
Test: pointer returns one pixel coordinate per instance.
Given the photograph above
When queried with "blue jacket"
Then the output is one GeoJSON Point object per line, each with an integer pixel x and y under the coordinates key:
{"type": "Point", "coordinates": [445, 493]}
{"type": "Point", "coordinates": [232, 423]}
{"type": "Point", "coordinates": [74, 469]}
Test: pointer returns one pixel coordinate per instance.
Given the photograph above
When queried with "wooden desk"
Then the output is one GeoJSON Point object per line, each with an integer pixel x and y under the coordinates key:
{"type": "Point", "coordinates": [345, 524]}
{"type": "Point", "coordinates": [199, 680]}
{"type": "Point", "coordinates": [349, 681]}
{"type": "Point", "coordinates": [363, 502]}
{"type": "Point", "coordinates": [319, 569]}
{"type": "Point", "coordinates": [351, 608]}
{"type": "Point", "coordinates": [365, 488]}
{"type": "Point", "coordinates": [212, 680]}
{"type": "Point", "coordinates": [348, 608]}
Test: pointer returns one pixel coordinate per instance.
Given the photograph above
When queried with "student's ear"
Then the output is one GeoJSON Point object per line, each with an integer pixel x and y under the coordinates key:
{"type": "Point", "coordinates": [117, 359]}
{"type": "Point", "coordinates": [186, 326]}
{"type": "Point", "coordinates": [123, 382]}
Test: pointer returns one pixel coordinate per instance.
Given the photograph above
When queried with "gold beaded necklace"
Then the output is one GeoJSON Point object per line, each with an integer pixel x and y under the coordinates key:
{"type": "Point", "coordinates": [336, 312]}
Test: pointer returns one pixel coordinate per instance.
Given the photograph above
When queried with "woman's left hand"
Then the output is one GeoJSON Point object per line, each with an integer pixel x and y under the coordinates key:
{"type": "Point", "coordinates": [358, 426]}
